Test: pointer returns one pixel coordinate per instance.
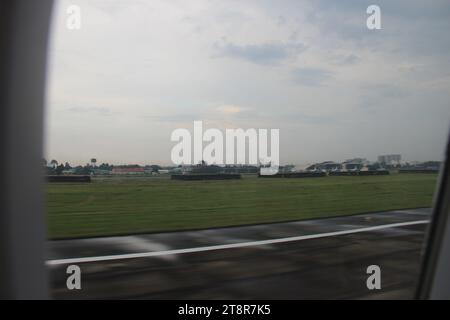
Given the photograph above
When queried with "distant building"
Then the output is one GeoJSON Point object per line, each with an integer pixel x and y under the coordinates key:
{"type": "Point", "coordinates": [354, 164]}
{"type": "Point", "coordinates": [202, 167]}
{"type": "Point", "coordinates": [423, 166]}
{"type": "Point", "coordinates": [390, 159]}
{"type": "Point", "coordinates": [240, 168]}
{"type": "Point", "coordinates": [68, 172]}
{"type": "Point", "coordinates": [124, 171]}
{"type": "Point", "coordinates": [356, 161]}
{"type": "Point", "coordinates": [324, 166]}
{"type": "Point", "coordinates": [101, 171]}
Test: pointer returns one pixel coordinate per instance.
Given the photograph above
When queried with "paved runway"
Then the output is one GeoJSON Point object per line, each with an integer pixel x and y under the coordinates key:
{"type": "Point", "coordinates": [313, 259]}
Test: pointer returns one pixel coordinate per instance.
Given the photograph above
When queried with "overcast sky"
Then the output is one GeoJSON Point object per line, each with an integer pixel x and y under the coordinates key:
{"type": "Point", "coordinates": [136, 70]}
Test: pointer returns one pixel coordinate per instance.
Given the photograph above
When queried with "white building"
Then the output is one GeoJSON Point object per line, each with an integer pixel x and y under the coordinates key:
{"type": "Point", "coordinates": [390, 158]}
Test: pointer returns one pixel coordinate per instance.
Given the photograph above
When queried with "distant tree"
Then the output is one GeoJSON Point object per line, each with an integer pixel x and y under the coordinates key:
{"type": "Point", "coordinates": [105, 166]}
{"type": "Point", "coordinates": [83, 170]}
{"type": "Point", "coordinates": [54, 163]}
{"type": "Point", "coordinates": [59, 169]}
{"type": "Point", "coordinates": [67, 166]}
{"type": "Point", "coordinates": [93, 162]}
{"type": "Point", "coordinates": [431, 164]}
{"type": "Point", "coordinates": [78, 170]}
{"type": "Point", "coordinates": [155, 168]}
{"type": "Point", "coordinates": [375, 166]}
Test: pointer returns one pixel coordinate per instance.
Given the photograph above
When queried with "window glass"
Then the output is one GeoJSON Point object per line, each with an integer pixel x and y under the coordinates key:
{"type": "Point", "coordinates": [243, 149]}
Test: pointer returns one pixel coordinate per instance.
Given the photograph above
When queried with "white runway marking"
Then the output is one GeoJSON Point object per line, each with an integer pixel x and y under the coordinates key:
{"type": "Point", "coordinates": [230, 246]}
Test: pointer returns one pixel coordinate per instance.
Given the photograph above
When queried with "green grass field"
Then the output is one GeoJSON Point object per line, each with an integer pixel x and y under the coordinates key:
{"type": "Point", "coordinates": [113, 206]}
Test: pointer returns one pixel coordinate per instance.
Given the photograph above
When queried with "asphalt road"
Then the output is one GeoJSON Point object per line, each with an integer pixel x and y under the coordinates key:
{"type": "Point", "coordinates": [315, 259]}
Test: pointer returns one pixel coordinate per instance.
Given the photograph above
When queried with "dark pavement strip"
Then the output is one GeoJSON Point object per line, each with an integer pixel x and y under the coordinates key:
{"type": "Point", "coordinates": [328, 268]}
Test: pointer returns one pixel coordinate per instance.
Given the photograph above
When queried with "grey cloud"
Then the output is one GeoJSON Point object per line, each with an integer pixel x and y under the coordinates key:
{"type": "Point", "coordinates": [181, 117]}
{"type": "Point", "coordinates": [413, 27]}
{"type": "Point", "coordinates": [311, 77]}
{"type": "Point", "coordinates": [266, 53]}
{"type": "Point", "coordinates": [347, 60]}
{"type": "Point", "coordinates": [376, 95]}
{"type": "Point", "coordinates": [410, 9]}
{"type": "Point", "coordinates": [103, 111]}
{"type": "Point", "coordinates": [386, 90]}
{"type": "Point", "coordinates": [309, 119]}
{"type": "Point", "coordinates": [296, 117]}
{"type": "Point", "coordinates": [281, 21]}
{"type": "Point", "coordinates": [106, 68]}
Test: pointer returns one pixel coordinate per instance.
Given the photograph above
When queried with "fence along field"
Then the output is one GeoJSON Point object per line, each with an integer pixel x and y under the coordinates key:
{"type": "Point", "coordinates": [119, 206]}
